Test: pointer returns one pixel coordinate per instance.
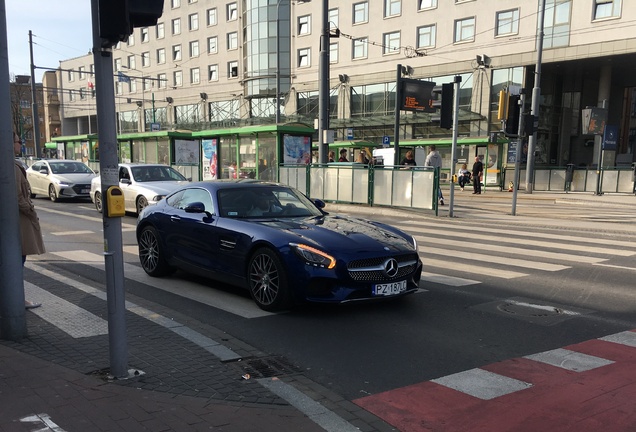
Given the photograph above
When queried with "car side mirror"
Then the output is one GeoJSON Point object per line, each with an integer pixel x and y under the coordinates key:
{"type": "Point", "coordinates": [319, 203]}
{"type": "Point", "coordinates": [197, 207]}
{"type": "Point", "coordinates": [124, 181]}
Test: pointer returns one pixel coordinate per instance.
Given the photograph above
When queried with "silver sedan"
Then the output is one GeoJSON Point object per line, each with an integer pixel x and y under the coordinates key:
{"type": "Point", "coordinates": [60, 178]}
{"type": "Point", "coordinates": [142, 185]}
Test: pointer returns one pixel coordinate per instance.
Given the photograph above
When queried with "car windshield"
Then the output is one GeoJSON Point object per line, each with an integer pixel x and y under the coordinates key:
{"type": "Point", "coordinates": [265, 202]}
{"type": "Point", "coordinates": [156, 173]}
{"type": "Point", "coordinates": [70, 168]}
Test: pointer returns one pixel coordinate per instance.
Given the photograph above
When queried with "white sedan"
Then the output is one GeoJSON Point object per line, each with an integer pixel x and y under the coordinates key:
{"type": "Point", "coordinates": [142, 184]}
{"type": "Point", "coordinates": [60, 178]}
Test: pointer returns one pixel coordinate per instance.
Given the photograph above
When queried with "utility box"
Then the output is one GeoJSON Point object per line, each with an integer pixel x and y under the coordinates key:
{"type": "Point", "coordinates": [114, 202]}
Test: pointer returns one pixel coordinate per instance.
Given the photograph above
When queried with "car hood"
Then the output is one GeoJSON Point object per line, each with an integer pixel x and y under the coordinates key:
{"type": "Point", "coordinates": [159, 188]}
{"type": "Point", "coordinates": [75, 178]}
{"type": "Point", "coordinates": [346, 233]}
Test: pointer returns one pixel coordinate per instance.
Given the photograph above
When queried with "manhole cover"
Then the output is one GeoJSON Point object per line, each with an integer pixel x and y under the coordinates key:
{"type": "Point", "coordinates": [267, 367]}
{"type": "Point", "coordinates": [530, 309]}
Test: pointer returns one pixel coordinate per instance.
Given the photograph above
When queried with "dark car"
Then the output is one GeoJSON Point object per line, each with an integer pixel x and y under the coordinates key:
{"type": "Point", "coordinates": [277, 243]}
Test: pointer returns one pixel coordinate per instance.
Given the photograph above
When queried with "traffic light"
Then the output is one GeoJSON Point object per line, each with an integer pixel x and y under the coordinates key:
{"type": "Point", "coordinates": [443, 99]}
{"type": "Point", "coordinates": [502, 112]}
{"type": "Point", "coordinates": [512, 117]}
{"type": "Point", "coordinates": [117, 18]}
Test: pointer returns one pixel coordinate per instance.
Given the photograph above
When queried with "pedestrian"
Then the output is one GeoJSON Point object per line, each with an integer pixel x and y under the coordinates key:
{"type": "Point", "coordinates": [463, 176]}
{"type": "Point", "coordinates": [343, 156]}
{"type": "Point", "coordinates": [30, 232]}
{"type": "Point", "coordinates": [408, 159]}
{"type": "Point", "coordinates": [332, 156]}
{"type": "Point", "coordinates": [362, 158]}
{"type": "Point", "coordinates": [434, 159]}
{"type": "Point", "coordinates": [478, 174]}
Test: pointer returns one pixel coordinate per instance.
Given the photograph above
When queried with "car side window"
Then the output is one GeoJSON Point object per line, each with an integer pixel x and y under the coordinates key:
{"type": "Point", "coordinates": [123, 174]}
{"type": "Point", "coordinates": [196, 195]}
{"type": "Point", "coordinates": [174, 199]}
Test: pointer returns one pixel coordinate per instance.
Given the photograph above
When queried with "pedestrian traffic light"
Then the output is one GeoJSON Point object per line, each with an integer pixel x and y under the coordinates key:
{"type": "Point", "coordinates": [117, 18]}
{"type": "Point", "coordinates": [443, 99]}
{"type": "Point", "coordinates": [512, 118]}
{"type": "Point", "coordinates": [502, 112]}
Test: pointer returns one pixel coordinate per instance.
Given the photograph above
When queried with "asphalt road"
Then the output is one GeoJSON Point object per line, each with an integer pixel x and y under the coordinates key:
{"type": "Point", "coordinates": [490, 292]}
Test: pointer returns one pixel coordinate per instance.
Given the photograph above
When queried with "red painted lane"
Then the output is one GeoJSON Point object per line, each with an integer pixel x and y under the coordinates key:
{"type": "Point", "coordinates": [559, 400]}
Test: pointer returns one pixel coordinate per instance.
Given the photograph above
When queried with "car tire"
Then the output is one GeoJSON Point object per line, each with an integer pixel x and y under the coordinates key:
{"type": "Point", "coordinates": [268, 281]}
{"type": "Point", "coordinates": [52, 194]}
{"type": "Point", "coordinates": [151, 254]}
{"type": "Point", "coordinates": [141, 204]}
{"type": "Point", "coordinates": [99, 204]}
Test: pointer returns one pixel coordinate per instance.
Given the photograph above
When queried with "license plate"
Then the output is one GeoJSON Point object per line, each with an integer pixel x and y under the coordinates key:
{"type": "Point", "coordinates": [389, 288]}
{"type": "Point", "coordinates": [85, 191]}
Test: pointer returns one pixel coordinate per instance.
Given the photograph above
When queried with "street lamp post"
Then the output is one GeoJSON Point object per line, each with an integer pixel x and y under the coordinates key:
{"type": "Point", "coordinates": [278, 61]}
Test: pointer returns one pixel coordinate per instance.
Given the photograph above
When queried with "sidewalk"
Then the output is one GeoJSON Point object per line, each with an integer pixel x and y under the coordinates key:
{"type": "Point", "coordinates": [52, 381]}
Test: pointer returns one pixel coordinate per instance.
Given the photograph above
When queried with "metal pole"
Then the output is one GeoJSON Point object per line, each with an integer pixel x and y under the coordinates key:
{"type": "Point", "coordinates": [12, 315]}
{"type": "Point", "coordinates": [109, 172]}
{"type": "Point", "coordinates": [458, 79]}
{"type": "Point", "coordinates": [323, 88]}
{"type": "Point", "coordinates": [536, 94]}
{"type": "Point", "coordinates": [520, 134]}
{"type": "Point", "coordinates": [278, 61]}
{"type": "Point", "coordinates": [598, 142]}
{"type": "Point", "coordinates": [34, 102]}
{"type": "Point", "coordinates": [396, 128]}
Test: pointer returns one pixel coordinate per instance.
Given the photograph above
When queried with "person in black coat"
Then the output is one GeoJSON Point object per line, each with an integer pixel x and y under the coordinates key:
{"type": "Point", "coordinates": [478, 173]}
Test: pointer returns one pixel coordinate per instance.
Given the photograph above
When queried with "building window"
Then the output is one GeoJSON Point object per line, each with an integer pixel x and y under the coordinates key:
{"type": "Point", "coordinates": [391, 43]}
{"type": "Point", "coordinates": [131, 39]}
{"type": "Point", "coordinates": [82, 72]}
{"type": "Point", "coordinates": [213, 43]}
{"type": "Point", "coordinates": [161, 56]}
{"type": "Point", "coordinates": [426, 4]}
{"type": "Point", "coordinates": [333, 18]}
{"type": "Point", "coordinates": [507, 22]}
{"type": "Point", "coordinates": [232, 69]}
{"type": "Point", "coordinates": [557, 23]}
{"type": "Point", "coordinates": [71, 95]}
{"type": "Point", "coordinates": [132, 85]}
{"type": "Point", "coordinates": [82, 94]}
{"type": "Point", "coordinates": [176, 52]}
{"type": "Point", "coordinates": [175, 3]}
{"type": "Point", "coordinates": [132, 64]}
{"type": "Point", "coordinates": [607, 9]}
{"type": "Point", "coordinates": [162, 80]}
{"type": "Point", "coordinates": [426, 36]}
{"type": "Point", "coordinates": [194, 49]}
{"type": "Point", "coordinates": [360, 47]}
{"type": "Point", "coordinates": [333, 52]}
{"type": "Point", "coordinates": [145, 59]}
{"type": "Point", "coordinates": [177, 78]}
{"type": "Point", "coordinates": [71, 75]}
{"type": "Point", "coordinates": [146, 84]}
{"type": "Point", "coordinates": [195, 76]}
{"type": "Point", "coordinates": [304, 57]}
{"type": "Point", "coordinates": [304, 25]}
{"type": "Point", "coordinates": [361, 12]}
{"type": "Point", "coordinates": [213, 73]}
{"type": "Point", "coordinates": [176, 26]}
{"type": "Point", "coordinates": [392, 8]}
{"type": "Point", "coordinates": [145, 35]}
{"type": "Point", "coordinates": [232, 12]}
{"type": "Point", "coordinates": [464, 30]}
{"type": "Point", "coordinates": [192, 1]}
{"type": "Point", "coordinates": [193, 22]}
{"type": "Point", "coordinates": [119, 88]}
{"type": "Point", "coordinates": [161, 31]}
{"type": "Point", "coordinates": [211, 17]}
{"type": "Point", "coordinates": [117, 65]}
{"type": "Point", "coordinates": [232, 41]}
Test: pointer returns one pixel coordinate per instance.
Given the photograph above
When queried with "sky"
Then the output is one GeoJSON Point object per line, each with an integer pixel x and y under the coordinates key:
{"type": "Point", "coordinates": [61, 30]}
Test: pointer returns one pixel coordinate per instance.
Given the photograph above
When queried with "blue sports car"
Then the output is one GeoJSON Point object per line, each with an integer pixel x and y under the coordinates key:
{"type": "Point", "coordinates": [277, 243]}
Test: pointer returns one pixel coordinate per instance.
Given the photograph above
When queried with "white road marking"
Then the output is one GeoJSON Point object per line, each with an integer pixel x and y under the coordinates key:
{"type": "Point", "coordinates": [447, 280]}
{"type": "Point", "coordinates": [616, 266]}
{"type": "Point", "coordinates": [624, 338]}
{"type": "Point", "coordinates": [514, 262]}
{"type": "Point", "coordinates": [569, 360]}
{"type": "Point", "coordinates": [232, 303]}
{"type": "Point", "coordinates": [65, 233]}
{"type": "Point", "coordinates": [542, 307]}
{"type": "Point", "coordinates": [482, 384]}
{"type": "Point", "coordinates": [474, 269]}
{"type": "Point", "coordinates": [44, 419]}
{"type": "Point", "coordinates": [73, 320]}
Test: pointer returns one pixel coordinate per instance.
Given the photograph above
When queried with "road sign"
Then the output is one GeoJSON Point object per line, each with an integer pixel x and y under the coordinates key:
{"type": "Point", "coordinates": [350, 133]}
{"type": "Point", "coordinates": [386, 141]}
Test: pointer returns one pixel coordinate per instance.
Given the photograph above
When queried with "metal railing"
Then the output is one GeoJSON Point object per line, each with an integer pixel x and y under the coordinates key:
{"type": "Point", "coordinates": [395, 186]}
{"type": "Point", "coordinates": [613, 180]}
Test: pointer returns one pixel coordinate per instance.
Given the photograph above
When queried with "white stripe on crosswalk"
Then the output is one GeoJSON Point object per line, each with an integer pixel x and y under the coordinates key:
{"type": "Point", "coordinates": [509, 262]}
{"type": "Point", "coordinates": [232, 303]}
{"type": "Point", "coordinates": [509, 250]}
{"type": "Point", "coordinates": [447, 280]}
{"type": "Point", "coordinates": [66, 233]}
{"type": "Point", "coordinates": [487, 239]}
{"type": "Point", "coordinates": [568, 239]}
{"type": "Point", "coordinates": [473, 269]}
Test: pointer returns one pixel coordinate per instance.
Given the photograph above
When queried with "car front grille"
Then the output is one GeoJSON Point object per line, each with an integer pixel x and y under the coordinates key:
{"type": "Point", "coordinates": [372, 269]}
{"type": "Point", "coordinates": [79, 187]}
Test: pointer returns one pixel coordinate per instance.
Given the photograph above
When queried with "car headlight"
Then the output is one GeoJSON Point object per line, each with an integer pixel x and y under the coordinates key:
{"type": "Point", "coordinates": [158, 198]}
{"type": "Point", "coordinates": [414, 244]}
{"type": "Point", "coordinates": [61, 183]}
{"type": "Point", "coordinates": [314, 256]}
